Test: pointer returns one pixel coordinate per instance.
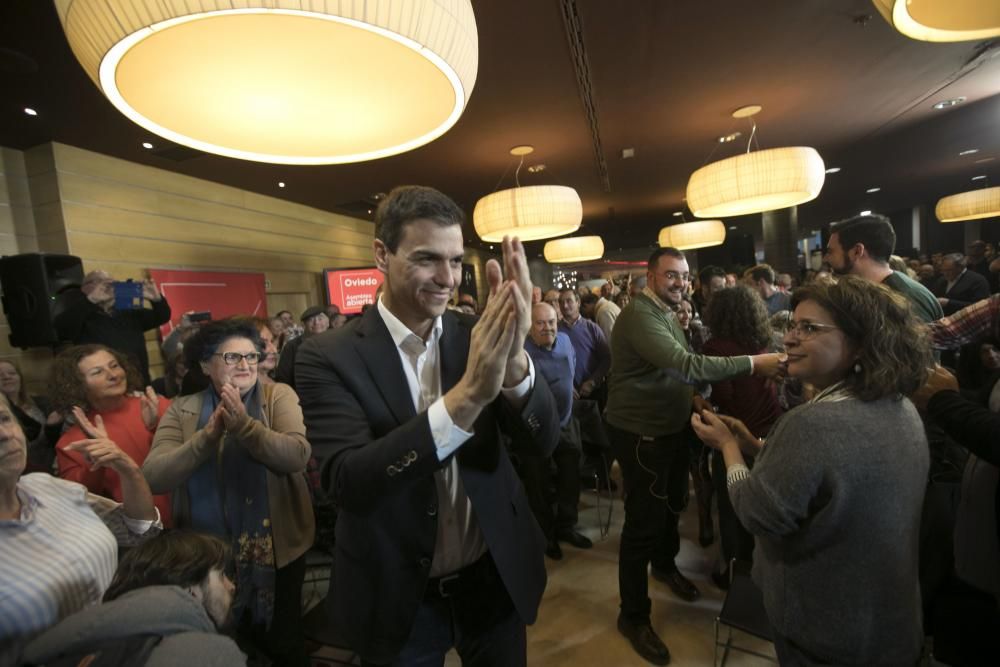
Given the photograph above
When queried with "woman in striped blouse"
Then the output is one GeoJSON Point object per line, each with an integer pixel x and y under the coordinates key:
{"type": "Point", "coordinates": [59, 543]}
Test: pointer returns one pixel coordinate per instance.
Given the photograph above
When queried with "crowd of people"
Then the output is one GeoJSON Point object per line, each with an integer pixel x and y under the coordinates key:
{"type": "Point", "coordinates": [449, 439]}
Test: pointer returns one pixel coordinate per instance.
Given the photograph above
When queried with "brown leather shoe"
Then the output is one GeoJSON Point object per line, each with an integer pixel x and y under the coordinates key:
{"type": "Point", "coordinates": [645, 642]}
{"type": "Point", "coordinates": [682, 587]}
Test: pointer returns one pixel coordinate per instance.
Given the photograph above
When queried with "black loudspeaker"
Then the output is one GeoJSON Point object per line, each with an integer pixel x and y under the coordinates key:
{"type": "Point", "coordinates": [34, 287]}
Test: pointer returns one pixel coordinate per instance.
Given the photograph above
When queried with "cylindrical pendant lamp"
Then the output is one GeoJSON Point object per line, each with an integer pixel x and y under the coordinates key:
{"type": "Point", "coordinates": [529, 213]}
{"type": "Point", "coordinates": [284, 81]}
{"type": "Point", "coordinates": [691, 235]}
{"type": "Point", "coordinates": [763, 180]}
{"type": "Point", "coordinates": [972, 205]}
{"type": "Point", "coordinates": [574, 249]}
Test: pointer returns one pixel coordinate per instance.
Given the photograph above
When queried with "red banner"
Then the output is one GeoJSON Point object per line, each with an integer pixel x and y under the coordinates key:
{"type": "Point", "coordinates": [221, 294]}
{"type": "Point", "coordinates": [351, 289]}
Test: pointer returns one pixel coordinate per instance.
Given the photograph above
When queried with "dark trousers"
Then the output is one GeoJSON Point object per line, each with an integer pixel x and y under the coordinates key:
{"type": "Point", "coordinates": [536, 475]}
{"type": "Point", "coordinates": [284, 642]}
{"type": "Point", "coordinates": [655, 472]}
{"type": "Point", "coordinates": [479, 621]}
{"type": "Point", "coordinates": [736, 541]}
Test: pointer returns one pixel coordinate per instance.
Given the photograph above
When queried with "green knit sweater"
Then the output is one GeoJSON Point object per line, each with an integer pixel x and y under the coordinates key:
{"type": "Point", "coordinates": [650, 361]}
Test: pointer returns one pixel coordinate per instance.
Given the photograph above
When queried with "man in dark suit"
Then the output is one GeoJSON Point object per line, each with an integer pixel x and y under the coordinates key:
{"type": "Point", "coordinates": [958, 286]}
{"type": "Point", "coordinates": [436, 546]}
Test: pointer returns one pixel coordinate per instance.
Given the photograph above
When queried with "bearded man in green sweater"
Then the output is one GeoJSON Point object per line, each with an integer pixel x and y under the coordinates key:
{"type": "Point", "coordinates": [651, 392]}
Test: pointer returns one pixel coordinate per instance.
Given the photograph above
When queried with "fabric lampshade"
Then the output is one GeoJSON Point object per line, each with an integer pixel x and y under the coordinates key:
{"type": "Point", "coordinates": [764, 180]}
{"type": "Point", "coordinates": [943, 20]}
{"type": "Point", "coordinates": [972, 205]}
{"type": "Point", "coordinates": [529, 213]}
{"type": "Point", "coordinates": [691, 235]}
{"type": "Point", "coordinates": [574, 249]}
{"type": "Point", "coordinates": [281, 81]}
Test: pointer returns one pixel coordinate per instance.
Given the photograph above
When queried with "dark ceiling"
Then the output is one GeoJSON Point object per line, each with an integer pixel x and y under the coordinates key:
{"type": "Point", "coordinates": [663, 77]}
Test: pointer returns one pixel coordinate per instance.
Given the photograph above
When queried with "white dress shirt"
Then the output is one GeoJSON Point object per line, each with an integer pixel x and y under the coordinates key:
{"type": "Point", "coordinates": [459, 541]}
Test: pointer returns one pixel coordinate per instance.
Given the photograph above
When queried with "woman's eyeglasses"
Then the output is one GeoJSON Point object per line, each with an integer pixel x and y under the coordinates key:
{"type": "Point", "coordinates": [805, 329]}
{"type": "Point", "coordinates": [233, 358]}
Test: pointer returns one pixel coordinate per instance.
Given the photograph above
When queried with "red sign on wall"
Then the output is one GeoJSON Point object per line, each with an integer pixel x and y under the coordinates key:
{"type": "Point", "coordinates": [221, 294]}
{"type": "Point", "coordinates": [351, 289]}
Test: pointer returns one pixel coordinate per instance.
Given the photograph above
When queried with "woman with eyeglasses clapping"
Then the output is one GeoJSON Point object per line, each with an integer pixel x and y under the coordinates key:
{"type": "Point", "coordinates": [835, 497]}
{"type": "Point", "coordinates": [234, 454]}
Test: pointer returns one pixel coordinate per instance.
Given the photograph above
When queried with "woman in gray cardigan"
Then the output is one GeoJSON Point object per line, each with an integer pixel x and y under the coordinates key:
{"type": "Point", "coordinates": [835, 497]}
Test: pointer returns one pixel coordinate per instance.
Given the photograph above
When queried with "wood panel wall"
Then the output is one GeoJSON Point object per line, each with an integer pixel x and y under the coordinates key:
{"type": "Point", "coordinates": [126, 218]}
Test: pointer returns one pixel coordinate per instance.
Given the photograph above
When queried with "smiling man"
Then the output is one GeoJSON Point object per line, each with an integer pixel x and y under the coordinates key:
{"type": "Point", "coordinates": [436, 544]}
{"type": "Point", "coordinates": [651, 390]}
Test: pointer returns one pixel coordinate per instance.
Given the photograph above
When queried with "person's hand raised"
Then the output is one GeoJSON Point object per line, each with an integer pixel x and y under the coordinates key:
{"type": "Point", "coordinates": [98, 449]}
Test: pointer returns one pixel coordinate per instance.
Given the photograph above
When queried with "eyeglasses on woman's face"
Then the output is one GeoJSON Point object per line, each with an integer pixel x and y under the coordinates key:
{"type": "Point", "coordinates": [804, 329]}
{"type": "Point", "coordinates": [234, 358]}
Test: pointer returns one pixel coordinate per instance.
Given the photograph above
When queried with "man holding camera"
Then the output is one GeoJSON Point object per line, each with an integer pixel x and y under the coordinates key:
{"type": "Point", "coordinates": [91, 316]}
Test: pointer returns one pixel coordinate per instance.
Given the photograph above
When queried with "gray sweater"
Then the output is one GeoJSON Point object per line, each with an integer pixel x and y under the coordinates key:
{"type": "Point", "coordinates": [834, 501]}
{"type": "Point", "coordinates": [189, 638]}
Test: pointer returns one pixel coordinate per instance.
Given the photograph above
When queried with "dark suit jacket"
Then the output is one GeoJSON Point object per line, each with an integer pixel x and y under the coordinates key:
{"type": "Point", "coordinates": [968, 289]}
{"type": "Point", "coordinates": [379, 460]}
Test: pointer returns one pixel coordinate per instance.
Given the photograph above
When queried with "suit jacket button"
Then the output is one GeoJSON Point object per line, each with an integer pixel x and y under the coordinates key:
{"type": "Point", "coordinates": [432, 510]}
{"type": "Point", "coordinates": [425, 562]}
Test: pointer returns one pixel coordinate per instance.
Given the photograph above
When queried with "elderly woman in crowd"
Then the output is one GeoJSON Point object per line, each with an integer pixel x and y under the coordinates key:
{"type": "Point", "coordinates": [95, 381]}
{"type": "Point", "coordinates": [59, 543]}
{"type": "Point", "coordinates": [233, 455]}
{"type": "Point", "coordinates": [835, 497]}
{"type": "Point", "coordinates": [42, 426]}
{"type": "Point", "coordinates": [739, 324]}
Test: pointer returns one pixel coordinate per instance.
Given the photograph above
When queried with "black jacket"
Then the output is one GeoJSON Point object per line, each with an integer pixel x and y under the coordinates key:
{"type": "Point", "coordinates": [379, 460]}
{"type": "Point", "coordinates": [84, 322]}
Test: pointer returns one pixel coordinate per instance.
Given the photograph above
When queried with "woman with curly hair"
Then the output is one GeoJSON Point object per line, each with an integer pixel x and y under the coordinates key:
{"type": "Point", "coordinates": [98, 385]}
{"type": "Point", "coordinates": [233, 454]}
{"type": "Point", "coordinates": [737, 318]}
{"type": "Point", "coordinates": [835, 498]}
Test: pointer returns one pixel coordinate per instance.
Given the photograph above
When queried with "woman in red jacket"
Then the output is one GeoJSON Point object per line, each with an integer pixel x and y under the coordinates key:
{"type": "Point", "coordinates": [101, 384]}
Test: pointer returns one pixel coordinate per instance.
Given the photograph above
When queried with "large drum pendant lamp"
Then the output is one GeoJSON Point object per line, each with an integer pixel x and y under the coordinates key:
{"type": "Point", "coordinates": [574, 249]}
{"type": "Point", "coordinates": [284, 81]}
{"type": "Point", "coordinates": [692, 235]}
{"type": "Point", "coordinates": [972, 205]}
{"type": "Point", "coordinates": [943, 20]}
{"type": "Point", "coordinates": [531, 212]}
{"type": "Point", "coordinates": [755, 182]}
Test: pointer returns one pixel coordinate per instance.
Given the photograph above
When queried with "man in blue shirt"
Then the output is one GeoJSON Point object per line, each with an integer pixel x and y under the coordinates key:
{"type": "Point", "coordinates": [554, 357]}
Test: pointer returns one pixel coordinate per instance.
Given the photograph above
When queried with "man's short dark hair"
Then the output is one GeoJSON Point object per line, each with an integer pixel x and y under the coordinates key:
{"type": "Point", "coordinates": [576, 295]}
{"type": "Point", "coordinates": [407, 203]}
{"type": "Point", "coordinates": [762, 272]}
{"type": "Point", "coordinates": [875, 232]}
{"type": "Point", "coordinates": [709, 272]}
{"type": "Point", "coordinates": [654, 259]}
{"type": "Point", "coordinates": [588, 299]}
{"type": "Point", "coordinates": [282, 312]}
{"type": "Point", "coordinates": [175, 558]}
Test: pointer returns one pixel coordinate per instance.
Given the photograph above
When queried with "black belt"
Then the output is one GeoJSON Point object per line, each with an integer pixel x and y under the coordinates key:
{"type": "Point", "coordinates": [471, 578]}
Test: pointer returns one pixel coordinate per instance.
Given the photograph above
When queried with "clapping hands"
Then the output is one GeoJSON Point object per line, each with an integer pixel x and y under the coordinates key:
{"type": "Point", "coordinates": [98, 449]}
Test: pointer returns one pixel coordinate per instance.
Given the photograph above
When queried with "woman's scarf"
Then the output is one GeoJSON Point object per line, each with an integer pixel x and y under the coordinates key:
{"type": "Point", "coordinates": [228, 495]}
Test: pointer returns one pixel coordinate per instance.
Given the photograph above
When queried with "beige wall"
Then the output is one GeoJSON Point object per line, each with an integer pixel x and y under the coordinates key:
{"type": "Point", "coordinates": [126, 218]}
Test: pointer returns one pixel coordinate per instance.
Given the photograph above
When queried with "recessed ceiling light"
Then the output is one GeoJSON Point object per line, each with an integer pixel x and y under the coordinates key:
{"type": "Point", "coordinates": [944, 104]}
{"type": "Point", "coordinates": [985, 159]}
{"type": "Point", "coordinates": [30, 111]}
{"type": "Point", "coordinates": [866, 212]}
{"type": "Point", "coordinates": [726, 138]}
{"type": "Point", "coordinates": [536, 168]}
{"type": "Point", "coordinates": [677, 214]}
{"type": "Point", "coordinates": [147, 145]}
{"type": "Point", "coordinates": [369, 211]}
{"type": "Point", "coordinates": [833, 170]}
{"type": "Point", "coordinates": [981, 177]}
{"type": "Point", "coordinates": [872, 190]}
{"type": "Point", "coordinates": [628, 153]}
{"type": "Point", "coordinates": [281, 184]}
{"type": "Point", "coordinates": [971, 151]}
{"type": "Point", "coordinates": [733, 227]}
